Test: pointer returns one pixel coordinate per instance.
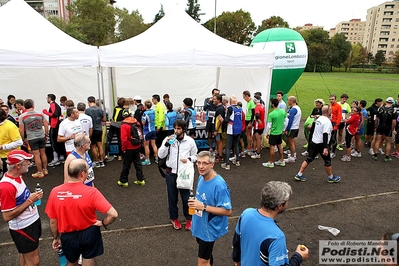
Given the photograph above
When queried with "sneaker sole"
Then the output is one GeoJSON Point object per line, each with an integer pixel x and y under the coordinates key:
{"type": "Point", "coordinates": [122, 185]}
{"type": "Point", "coordinates": [333, 181]}
{"type": "Point", "coordinates": [299, 179]}
{"type": "Point", "coordinates": [139, 184]}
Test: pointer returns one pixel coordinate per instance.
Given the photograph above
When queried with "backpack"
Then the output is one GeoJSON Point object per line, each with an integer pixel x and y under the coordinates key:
{"type": "Point", "coordinates": [162, 164]}
{"type": "Point", "coordinates": [57, 112]}
{"type": "Point", "coordinates": [136, 134]}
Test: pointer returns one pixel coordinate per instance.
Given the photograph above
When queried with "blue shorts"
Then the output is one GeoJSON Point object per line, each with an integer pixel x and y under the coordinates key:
{"type": "Point", "coordinates": [361, 131]}
{"type": "Point", "coordinates": [150, 135]}
{"type": "Point", "coordinates": [87, 242]}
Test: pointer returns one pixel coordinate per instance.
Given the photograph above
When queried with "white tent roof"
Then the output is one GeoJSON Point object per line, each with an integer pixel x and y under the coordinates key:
{"type": "Point", "coordinates": [178, 40]}
{"type": "Point", "coordinates": [29, 40]}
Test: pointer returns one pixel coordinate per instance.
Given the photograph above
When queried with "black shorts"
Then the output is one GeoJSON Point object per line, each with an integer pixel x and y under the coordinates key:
{"type": "Point", "coordinates": [259, 131]}
{"type": "Point", "coordinates": [208, 126]}
{"type": "Point", "coordinates": [205, 249]}
{"type": "Point", "coordinates": [96, 136]}
{"type": "Point", "coordinates": [27, 239]}
{"type": "Point", "coordinates": [275, 139]}
{"type": "Point", "coordinates": [87, 242]}
{"type": "Point", "coordinates": [370, 128]}
{"type": "Point", "coordinates": [341, 125]}
{"type": "Point", "coordinates": [293, 133]}
{"type": "Point", "coordinates": [36, 144]}
{"type": "Point", "coordinates": [247, 122]}
{"type": "Point", "coordinates": [387, 132]}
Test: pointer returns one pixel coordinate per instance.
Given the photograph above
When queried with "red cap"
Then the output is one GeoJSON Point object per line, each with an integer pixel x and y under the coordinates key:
{"type": "Point", "coordinates": [17, 156]}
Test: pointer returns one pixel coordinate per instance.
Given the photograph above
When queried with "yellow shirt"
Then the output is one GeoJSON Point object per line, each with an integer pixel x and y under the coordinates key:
{"type": "Point", "coordinates": [159, 115]}
{"type": "Point", "coordinates": [9, 132]}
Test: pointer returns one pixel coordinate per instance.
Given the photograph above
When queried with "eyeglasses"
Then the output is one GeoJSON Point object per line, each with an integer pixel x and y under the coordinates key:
{"type": "Point", "coordinates": [203, 163]}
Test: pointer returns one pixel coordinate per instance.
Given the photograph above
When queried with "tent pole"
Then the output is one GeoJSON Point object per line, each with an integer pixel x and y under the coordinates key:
{"type": "Point", "coordinates": [217, 77]}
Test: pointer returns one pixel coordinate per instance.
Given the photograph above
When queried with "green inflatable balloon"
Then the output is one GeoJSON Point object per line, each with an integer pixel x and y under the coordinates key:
{"type": "Point", "coordinates": [290, 56]}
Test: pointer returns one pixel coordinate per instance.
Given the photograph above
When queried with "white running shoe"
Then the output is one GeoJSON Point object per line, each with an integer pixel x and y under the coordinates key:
{"type": "Point", "coordinates": [305, 153]}
{"type": "Point", "coordinates": [268, 165]}
{"type": "Point", "coordinates": [279, 163]}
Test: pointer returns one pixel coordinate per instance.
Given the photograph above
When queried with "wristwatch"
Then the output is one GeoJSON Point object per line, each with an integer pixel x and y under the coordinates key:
{"type": "Point", "coordinates": [205, 207]}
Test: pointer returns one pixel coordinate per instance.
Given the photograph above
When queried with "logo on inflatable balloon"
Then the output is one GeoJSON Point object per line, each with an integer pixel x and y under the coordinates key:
{"type": "Point", "coordinates": [290, 56]}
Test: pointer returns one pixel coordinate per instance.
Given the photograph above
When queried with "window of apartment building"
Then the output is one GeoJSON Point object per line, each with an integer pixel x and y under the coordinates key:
{"type": "Point", "coordinates": [397, 46]}
{"type": "Point", "coordinates": [395, 26]}
{"type": "Point", "coordinates": [392, 46]}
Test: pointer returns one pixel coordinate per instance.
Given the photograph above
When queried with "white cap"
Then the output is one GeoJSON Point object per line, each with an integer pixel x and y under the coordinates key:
{"type": "Point", "coordinates": [390, 100]}
{"type": "Point", "coordinates": [137, 97]}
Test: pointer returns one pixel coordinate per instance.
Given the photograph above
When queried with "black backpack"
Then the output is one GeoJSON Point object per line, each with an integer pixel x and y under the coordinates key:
{"type": "Point", "coordinates": [136, 134]}
{"type": "Point", "coordinates": [386, 114]}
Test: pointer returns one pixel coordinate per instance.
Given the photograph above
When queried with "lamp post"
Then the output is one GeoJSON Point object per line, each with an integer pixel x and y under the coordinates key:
{"type": "Point", "coordinates": [214, 26]}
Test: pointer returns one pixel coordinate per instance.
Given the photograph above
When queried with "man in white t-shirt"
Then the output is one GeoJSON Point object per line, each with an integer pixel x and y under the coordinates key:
{"type": "Point", "coordinates": [69, 128]}
{"type": "Point", "coordinates": [319, 144]}
{"type": "Point", "coordinates": [292, 130]}
{"type": "Point", "coordinates": [85, 120]}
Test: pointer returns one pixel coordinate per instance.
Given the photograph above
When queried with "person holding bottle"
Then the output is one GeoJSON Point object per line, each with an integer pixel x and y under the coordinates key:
{"type": "Point", "coordinates": [212, 205]}
{"type": "Point", "coordinates": [18, 208]}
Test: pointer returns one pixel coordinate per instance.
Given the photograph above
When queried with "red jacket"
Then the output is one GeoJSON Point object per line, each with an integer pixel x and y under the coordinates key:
{"type": "Point", "coordinates": [125, 134]}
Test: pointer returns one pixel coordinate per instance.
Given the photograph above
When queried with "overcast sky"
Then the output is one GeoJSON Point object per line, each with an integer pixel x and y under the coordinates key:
{"type": "Point", "coordinates": [296, 12]}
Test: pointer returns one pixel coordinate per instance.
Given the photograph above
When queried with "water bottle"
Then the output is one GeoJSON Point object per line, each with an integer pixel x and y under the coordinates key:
{"type": "Point", "coordinates": [173, 139]}
{"type": "Point", "coordinates": [191, 210]}
{"type": "Point", "coordinates": [61, 256]}
{"type": "Point", "coordinates": [38, 188]}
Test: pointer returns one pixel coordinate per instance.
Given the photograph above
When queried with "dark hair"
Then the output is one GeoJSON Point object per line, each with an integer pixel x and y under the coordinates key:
{"type": "Point", "coordinates": [9, 97]}
{"type": "Point", "coordinates": [3, 115]}
{"type": "Point", "coordinates": [51, 96]}
{"type": "Point", "coordinates": [70, 111]}
{"type": "Point", "coordinates": [156, 97]}
{"type": "Point", "coordinates": [63, 98]}
{"type": "Point", "coordinates": [166, 96]}
{"type": "Point", "coordinates": [81, 106]}
{"type": "Point", "coordinates": [215, 89]}
{"type": "Point", "coordinates": [219, 97]}
{"type": "Point", "coordinates": [180, 123]}
{"type": "Point", "coordinates": [169, 106]}
{"type": "Point", "coordinates": [280, 92]}
{"type": "Point", "coordinates": [345, 96]}
{"type": "Point", "coordinates": [28, 103]}
{"type": "Point", "coordinates": [69, 103]}
{"type": "Point", "coordinates": [188, 102]}
{"type": "Point", "coordinates": [378, 100]}
{"type": "Point", "coordinates": [363, 103]}
{"type": "Point", "coordinates": [91, 99]}
{"type": "Point", "coordinates": [355, 102]}
{"type": "Point", "coordinates": [246, 93]}
{"type": "Point", "coordinates": [274, 102]}
{"type": "Point", "coordinates": [121, 101]}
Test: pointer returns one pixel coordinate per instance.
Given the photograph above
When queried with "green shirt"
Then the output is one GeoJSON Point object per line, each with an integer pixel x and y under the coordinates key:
{"type": "Point", "coordinates": [277, 117]}
{"type": "Point", "coordinates": [159, 115]}
{"type": "Point", "coordinates": [250, 105]}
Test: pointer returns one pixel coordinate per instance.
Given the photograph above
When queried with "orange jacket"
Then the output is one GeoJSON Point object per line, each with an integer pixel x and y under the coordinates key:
{"type": "Point", "coordinates": [336, 115]}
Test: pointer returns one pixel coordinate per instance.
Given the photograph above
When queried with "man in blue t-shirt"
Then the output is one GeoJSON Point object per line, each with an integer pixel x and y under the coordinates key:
{"type": "Point", "coordinates": [212, 205]}
{"type": "Point", "coordinates": [258, 240]}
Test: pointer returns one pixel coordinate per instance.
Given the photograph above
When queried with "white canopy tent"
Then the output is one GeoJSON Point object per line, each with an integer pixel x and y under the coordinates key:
{"type": "Point", "coordinates": [36, 58]}
{"type": "Point", "coordinates": [180, 57]}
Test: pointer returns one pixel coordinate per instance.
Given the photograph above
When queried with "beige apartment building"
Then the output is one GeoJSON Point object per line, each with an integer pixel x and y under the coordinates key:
{"type": "Point", "coordinates": [382, 29]}
{"type": "Point", "coordinates": [46, 8]}
{"type": "Point", "coordinates": [353, 30]}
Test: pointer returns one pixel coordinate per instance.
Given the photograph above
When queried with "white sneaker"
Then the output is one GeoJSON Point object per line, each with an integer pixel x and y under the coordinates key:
{"type": "Point", "coordinates": [346, 158]}
{"type": "Point", "coordinates": [232, 158]}
{"type": "Point", "coordinates": [380, 151]}
{"type": "Point", "coordinates": [332, 155]}
{"type": "Point", "coordinates": [356, 154]}
{"type": "Point", "coordinates": [305, 153]}
{"type": "Point", "coordinates": [255, 156]}
{"type": "Point", "coordinates": [287, 152]}
{"type": "Point", "coordinates": [371, 152]}
{"type": "Point", "coordinates": [279, 163]}
{"type": "Point", "coordinates": [353, 151]}
{"type": "Point", "coordinates": [268, 165]}
{"type": "Point", "coordinates": [289, 160]}
{"type": "Point", "coordinates": [275, 149]}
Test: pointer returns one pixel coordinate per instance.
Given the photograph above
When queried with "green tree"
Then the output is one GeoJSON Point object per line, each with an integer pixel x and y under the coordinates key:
{"type": "Point", "coordinates": [69, 28]}
{"type": "Point", "coordinates": [159, 15]}
{"type": "Point", "coordinates": [339, 49]}
{"type": "Point", "coordinates": [234, 26]}
{"type": "Point", "coordinates": [193, 9]}
{"type": "Point", "coordinates": [379, 58]}
{"type": "Point", "coordinates": [272, 22]}
{"type": "Point", "coordinates": [370, 58]}
{"type": "Point", "coordinates": [396, 59]}
{"type": "Point", "coordinates": [129, 25]}
{"type": "Point", "coordinates": [95, 19]}
{"type": "Point", "coordinates": [319, 46]}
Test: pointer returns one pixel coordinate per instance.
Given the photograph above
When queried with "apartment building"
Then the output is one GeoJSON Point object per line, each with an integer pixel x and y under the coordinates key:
{"type": "Point", "coordinates": [308, 26]}
{"type": "Point", "coordinates": [352, 29]}
{"type": "Point", "coordinates": [46, 8]}
{"type": "Point", "coordinates": [382, 29]}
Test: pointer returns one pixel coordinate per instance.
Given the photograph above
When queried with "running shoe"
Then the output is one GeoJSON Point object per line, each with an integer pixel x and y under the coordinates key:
{"type": "Point", "coordinates": [300, 178]}
{"type": "Point", "coordinates": [371, 151]}
{"type": "Point", "coordinates": [339, 148]}
{"type": "Point", "coordinates": [45, 171]}
{"type": "Point", "coordinates": [156, 160]}
{"type": "Point", "coordinates": [255, 156]}
{"type": "Point", "coordinates": [176, 224]}
{"type": "Point", "coordinates": [289, 160]}
{"type": "Point", "coordinates": [242, 154]}
{"type": "Point", "coordinates": [375, 157]}
{"type": "Point", "coordinates": [102, 164]}
{"type": "Point", "coordinates": [38, 175]}
{"type": "Point", "coordinates": [237, 163]}
{"type": "Point", "coordinates": [334, 179]}
{"type": "Point", "coordinates": [140, 183]}
{"type": "Point", "coordinates": [305, 153]}
{"type": "Point", "coordinates": [346, 158]}
{"type": "Point", "coordinates": [306, 146]}
{"type": "Point", "coordinates": [126, 184]}
{"type": "Point", "coordinates": [268, 165]}
{"type": "Point", "coordinates": [96, 164]}
{"type": "Point", "coordinates": [280, 163]}
{"type": "Point", "coordinates": [225, 166]}
{"type": "Point", "coordinates": [120, 158]}
{"type": "Point", "coordinates": [356, 154]}
{"type": "Point", "coordinates": [380, 151]}
{"type": "Point", "coordinates": [146, 162]}
{"type": "Point", "coordinates": [188, 225]}
{"type": "Point", "coordinates": [332, 155]}
{"type": "Point", "coordinates": [387, 159]}
{"type": "Point", "coordinates": [54, 163]}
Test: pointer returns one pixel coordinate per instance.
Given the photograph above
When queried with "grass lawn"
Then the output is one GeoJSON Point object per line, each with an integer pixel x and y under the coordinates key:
{"type": "Point", "coordinates": [359, 86]}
